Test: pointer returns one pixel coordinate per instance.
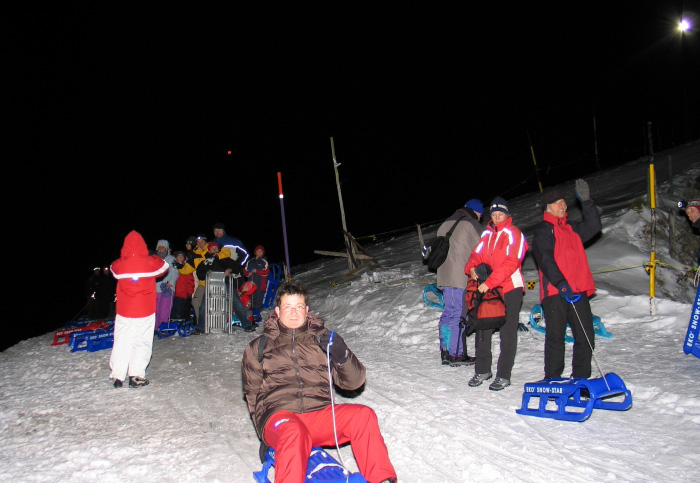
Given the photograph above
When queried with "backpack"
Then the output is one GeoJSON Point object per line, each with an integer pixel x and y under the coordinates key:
{"type": "Point", "coordinates": [483, 311]}
{"type": "Point", "coordinates": [437, 252]}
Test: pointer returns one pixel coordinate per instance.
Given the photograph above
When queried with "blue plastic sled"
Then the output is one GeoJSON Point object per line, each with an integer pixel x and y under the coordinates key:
{"type": "Point", "coordinates": [322, 468]}
{"type": "Point", "coordinates": [692, 337]}
{"type": "Point", "coordinates": [180, 326]}
{"type": "Point", "coordinates": [432, 288]}
{"type": "Point", "coordinates": [574, 399]}
{"type": "Point", "coordinates": [273, 281]}
{"type": "Point", "coordinates": [537, 321]}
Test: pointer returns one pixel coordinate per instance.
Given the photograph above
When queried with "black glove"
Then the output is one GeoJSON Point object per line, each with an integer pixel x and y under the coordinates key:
{"type": "Point", "coordinates": [339, 350]}
{"type": "Point", "coordinates": [262, 451]}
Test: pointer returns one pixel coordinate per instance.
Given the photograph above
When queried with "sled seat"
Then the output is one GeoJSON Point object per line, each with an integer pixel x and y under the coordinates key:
{"type": "Point", "coordinates": [574, 399]}
{"type": "Point", "coordinates": [321, 468]}
{"type": "Point", "coordinates": [92, 340]}
{"type": "Point", "coordinates": [538, 322]}
{"type": "Point", "coordinates": [433, 289]}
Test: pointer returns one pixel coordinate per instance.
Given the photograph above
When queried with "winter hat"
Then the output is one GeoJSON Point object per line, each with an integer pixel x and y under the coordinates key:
{"type": "Point", "coordinates": [202, 237]}
{"type": "Point", "coordinates": [552, 195]}
{"type": "Point", "coordinates": [192, 240]}
{"type": "Point", "coordinates": [164, 243]}
{"type": "Point", "coordinates": [499, 204]}
{"type": "Point", "coordinates": [476, 205]}
{"type": "Point", "coordinates": [695, 202]}
{"type": "Point", "coordinates": [218, 226]}
{"type": "Point", "coordinates": [259, 247]}
{"type": "Point", "coordinates": [212, 244]}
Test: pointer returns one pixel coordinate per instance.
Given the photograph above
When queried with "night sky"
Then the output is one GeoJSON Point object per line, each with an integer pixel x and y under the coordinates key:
{"type": "Point", "coordinates": [122, 120]}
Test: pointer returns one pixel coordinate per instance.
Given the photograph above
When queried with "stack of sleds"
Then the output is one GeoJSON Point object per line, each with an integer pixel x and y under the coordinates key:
{"type": "Point", "coordinates": [86, 335]}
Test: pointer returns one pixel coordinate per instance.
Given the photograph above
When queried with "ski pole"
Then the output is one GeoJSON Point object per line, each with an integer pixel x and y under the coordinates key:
{"type": "Point", "coordinates": [571, 300]}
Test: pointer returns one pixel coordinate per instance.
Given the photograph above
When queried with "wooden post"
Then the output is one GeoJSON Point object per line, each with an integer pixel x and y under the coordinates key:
{"type": "Point", "coordinates": [351, 252]}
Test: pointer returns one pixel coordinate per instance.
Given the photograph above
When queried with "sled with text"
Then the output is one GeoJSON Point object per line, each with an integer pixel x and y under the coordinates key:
{"type": "Point", "coordinates": [573, 399]}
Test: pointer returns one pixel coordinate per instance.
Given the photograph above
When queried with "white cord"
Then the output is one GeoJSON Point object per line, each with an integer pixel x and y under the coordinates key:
{"type": "Point", "coordinates": [335, 428]}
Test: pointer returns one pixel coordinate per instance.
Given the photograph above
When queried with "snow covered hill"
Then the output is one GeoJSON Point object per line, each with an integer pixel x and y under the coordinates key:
{"type": "Point", "coordinates": [61, 420]}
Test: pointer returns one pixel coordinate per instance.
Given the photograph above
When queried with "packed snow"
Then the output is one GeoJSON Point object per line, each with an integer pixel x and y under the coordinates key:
{"type": "Point", "coordinates": [61, 419]}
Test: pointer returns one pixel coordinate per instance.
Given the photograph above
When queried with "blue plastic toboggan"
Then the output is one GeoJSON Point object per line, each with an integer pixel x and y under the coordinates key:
{"type": "Point", "coordinates": [538, 322]}
{"type": "Point", "coordinates": [321, 468]}
{"type": "Point", "coordinates": [574, 399]}
{"type": "Point", "coordinates": [432, 288]}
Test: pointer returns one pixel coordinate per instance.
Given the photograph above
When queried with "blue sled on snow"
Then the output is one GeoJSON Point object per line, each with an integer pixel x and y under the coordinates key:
{"type": "Point", "coordinates": [182, 327]}
{"type": "Point", "coordinates": [432, 288]}
{"type": "Point", "coordinates": [574, 399]}
{"type": "Point", "coordinates": [537, 321]}
{"type": "Point", "coordinates": [692, 341]}
{"type": "Point", "coordinates": [322, 468]}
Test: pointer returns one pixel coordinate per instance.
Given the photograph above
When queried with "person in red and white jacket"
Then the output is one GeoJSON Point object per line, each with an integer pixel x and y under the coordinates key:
{"type": "Point", "coordinates": [566, 281]}
{"type": "Point", "coordinates": [136, 273]}
{"type": "Point", "coordinates": [502, 247]}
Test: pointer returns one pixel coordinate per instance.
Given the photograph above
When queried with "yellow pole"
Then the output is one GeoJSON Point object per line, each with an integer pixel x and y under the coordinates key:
{"type": "Point", "coordinates": [652, 262]}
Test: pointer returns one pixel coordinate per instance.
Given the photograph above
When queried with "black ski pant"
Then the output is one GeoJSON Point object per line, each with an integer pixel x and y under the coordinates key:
{"type": "Point", "coordinates": [557, 313]}
{"type": "Point", "coordinates": [508, 335]}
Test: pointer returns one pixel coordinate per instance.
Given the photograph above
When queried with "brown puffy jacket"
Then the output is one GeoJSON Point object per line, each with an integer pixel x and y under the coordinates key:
{"type": "Point", "coordinates": [294, 372]}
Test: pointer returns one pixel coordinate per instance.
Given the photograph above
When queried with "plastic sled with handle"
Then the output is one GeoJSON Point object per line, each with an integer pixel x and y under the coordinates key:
{"type": "Point", "coordinates": [575, 398]}
{"type": "Point", "coordinates": [321, 468]}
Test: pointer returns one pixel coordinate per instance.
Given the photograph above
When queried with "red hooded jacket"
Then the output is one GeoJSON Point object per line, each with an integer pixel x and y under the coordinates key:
{"type": "Point", "coordinates": [136, 273]}
{"type": "Point", "coordinates": [503, 247]}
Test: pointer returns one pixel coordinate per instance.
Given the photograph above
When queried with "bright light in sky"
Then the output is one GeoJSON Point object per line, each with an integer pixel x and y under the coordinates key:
{"type": "Point", "coordinates": [684, 25]}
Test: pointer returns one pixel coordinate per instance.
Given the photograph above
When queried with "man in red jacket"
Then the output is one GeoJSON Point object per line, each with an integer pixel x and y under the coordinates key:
{"type": "Point", "coordinates": [566, 281]}
{"type": "Point", "coordinates": [136, 273]}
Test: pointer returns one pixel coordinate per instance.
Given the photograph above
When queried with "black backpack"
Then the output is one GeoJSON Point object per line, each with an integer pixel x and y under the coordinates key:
{"type": "Point", "coordinates": [437, 252]}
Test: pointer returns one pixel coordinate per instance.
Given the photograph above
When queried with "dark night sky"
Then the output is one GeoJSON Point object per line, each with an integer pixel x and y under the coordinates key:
{"type": "Point", "coordinates": [121, 119]}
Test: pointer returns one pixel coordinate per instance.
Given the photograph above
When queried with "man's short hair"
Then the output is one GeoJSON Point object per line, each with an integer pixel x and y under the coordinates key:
{"type": "Point", "coordinates": [291, 288]}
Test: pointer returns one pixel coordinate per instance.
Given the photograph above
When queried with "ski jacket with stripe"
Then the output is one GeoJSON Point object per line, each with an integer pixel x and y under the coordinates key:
{"type": "Point", "coordinates": [557, 246]}
{"type": "Point", "coordinates": [462, 242]}
{"type": "Point", "coordinates": [136, 273]}
{"type": "Point", "coordinates": [261, 267]}
{"type": "Point", "coordinates": [503, 247]}
{"type": "Point", "coordinates": [293, 374]}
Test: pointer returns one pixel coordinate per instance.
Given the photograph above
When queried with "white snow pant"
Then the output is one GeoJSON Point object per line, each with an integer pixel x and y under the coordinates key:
{"type": "Point", "coordinates": [133, 345]}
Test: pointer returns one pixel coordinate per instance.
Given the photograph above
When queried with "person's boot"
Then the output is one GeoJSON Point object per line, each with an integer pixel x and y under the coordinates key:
{"type": "Point", "coordinates": [463, 360]}
{"type": "Point", "coordinates": [445, 357]}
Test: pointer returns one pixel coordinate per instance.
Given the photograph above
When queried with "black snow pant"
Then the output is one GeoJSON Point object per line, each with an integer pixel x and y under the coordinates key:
{"type": "Point", "coordinates": [557, 313]}
{"type": "Point", "coordinates": [508, 335]}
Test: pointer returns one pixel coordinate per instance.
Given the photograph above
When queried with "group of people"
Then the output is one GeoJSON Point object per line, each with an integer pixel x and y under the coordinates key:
{"type": "Point", "coordinates": [153, 287]}
{"type": "Point", "coordinates": [566, 283]}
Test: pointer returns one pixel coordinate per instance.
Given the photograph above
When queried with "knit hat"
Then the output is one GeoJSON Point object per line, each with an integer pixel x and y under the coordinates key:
{"type": "Point", "coordinates": [476, 205]}
{"type": "Point", "coordinates": [202, 237]}
{"type": "Point", "coordinates": [695, 202]}
{"type": "Point", "coordinates": [191, 240]}
{"type": "Point", "coordinates": [218, 226]}
{"type": "Point", "coordinates": [552, 195]}
{"type": "Point", "coordinates": [499, 204]}
{"type": "Point", "coordinates": [212, 244]}
{"type": "Point", "coordinates": [164, 243]}
{"type": "Point", "coordinates": [259, 247]}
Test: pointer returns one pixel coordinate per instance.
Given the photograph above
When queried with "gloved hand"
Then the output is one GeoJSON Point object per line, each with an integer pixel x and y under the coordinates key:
{"type": "Point", "coordinates": [567, 293]}
{"type": "Point", "coordinates": [339, 350]}
{"type": "Point", "coordinates": [583, 193]}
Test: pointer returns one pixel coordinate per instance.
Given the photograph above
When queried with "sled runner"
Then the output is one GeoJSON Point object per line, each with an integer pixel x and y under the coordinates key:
{"type": "Point", "coordinates": [574, 399]}
{"type": "Point", "coordinates": [180, 326]}
{"type": "Point", "coordinates": [432, 288]}
{"type": "Point", "coordinates": [321, 468]}
{"type": "Point", "coordinates": [537, 321]}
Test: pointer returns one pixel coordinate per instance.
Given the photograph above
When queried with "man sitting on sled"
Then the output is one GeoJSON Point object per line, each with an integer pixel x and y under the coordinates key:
{"type": "Point", "coordinates": [288, 392]}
